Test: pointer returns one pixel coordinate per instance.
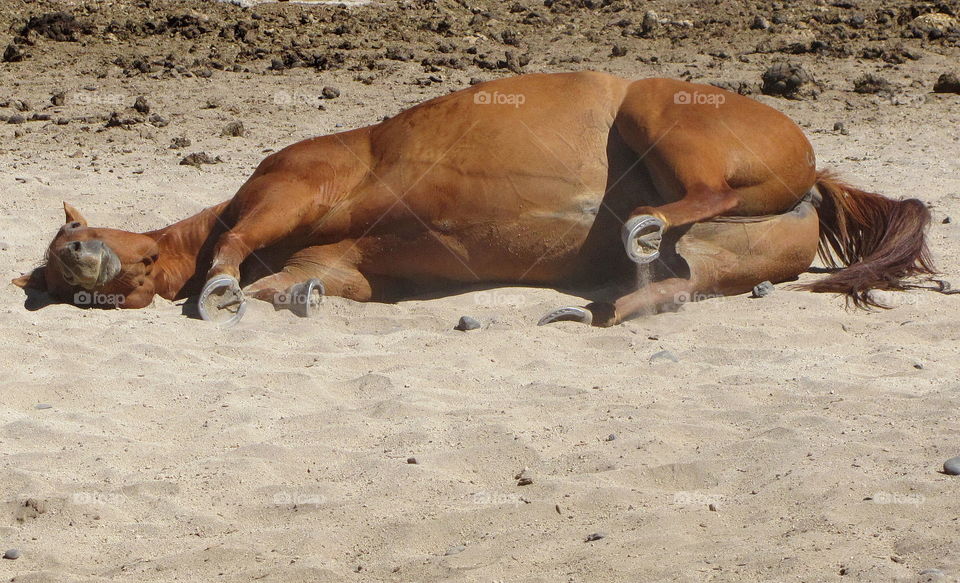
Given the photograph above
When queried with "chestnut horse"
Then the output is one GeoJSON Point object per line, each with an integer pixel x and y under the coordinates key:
{"type": "Point", "coordinates": [564, 180]}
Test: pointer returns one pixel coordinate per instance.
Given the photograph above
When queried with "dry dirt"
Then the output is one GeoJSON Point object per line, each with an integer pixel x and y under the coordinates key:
{"type": "Point", "coordinates": [787, 439]}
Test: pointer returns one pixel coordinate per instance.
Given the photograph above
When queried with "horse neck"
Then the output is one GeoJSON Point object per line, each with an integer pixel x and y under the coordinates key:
{"type": "Point", "coordinates": [184, 248]}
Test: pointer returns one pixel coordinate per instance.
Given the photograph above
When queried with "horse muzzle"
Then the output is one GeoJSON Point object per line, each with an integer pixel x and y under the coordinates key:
{"type": "Point", "coordinates": [88, 264]}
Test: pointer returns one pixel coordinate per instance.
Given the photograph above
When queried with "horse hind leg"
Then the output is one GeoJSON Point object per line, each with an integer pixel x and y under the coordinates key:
{"type": "Point", "coordinates": [723, 258]}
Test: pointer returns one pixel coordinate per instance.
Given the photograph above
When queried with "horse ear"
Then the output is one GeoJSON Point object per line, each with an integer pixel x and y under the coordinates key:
{"type": "Point", "coordinates": [73, 215]}
{"type": "Point", "coordinates": [36, 279]}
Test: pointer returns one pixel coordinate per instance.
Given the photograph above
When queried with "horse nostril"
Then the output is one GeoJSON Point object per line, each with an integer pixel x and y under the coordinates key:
{"type": "Point", "coordinates": [75, 246]}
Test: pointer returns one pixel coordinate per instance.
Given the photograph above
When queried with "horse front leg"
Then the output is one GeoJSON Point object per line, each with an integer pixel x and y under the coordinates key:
{"type": "Point", "coordinates": [311, 274]}
{"type": "Point", "coordinates": [266, 210]}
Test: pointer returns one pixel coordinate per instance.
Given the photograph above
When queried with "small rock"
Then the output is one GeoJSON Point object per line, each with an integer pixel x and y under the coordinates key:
{"type": "Point", "coordinates": [158, 121]}
{"type": "Point", "coordinates": [762, 289]}
{"type": "Point", "coordinates": [179, 142]}
{"type": "Point", "coordinates": [16, 119]}
{"type": "Point", "coordinates": [233, 129]}
{"type": "Point", "coordinates": [933, 24]}
{"type": "Point", "coordinates": [330, 93]}
{"type": "Point", "coordinates": [918, 365]}
{"type": "Point", "coordinates": [412, 460]}
{"type": "Point", "coordinates": [840, 127]}
{"type": "Point", "coordinates": [13, 54]}
{"type": "Point", "coordinates": [952, 466]}
{"type": "Point", "coordinates": [141, 105]}
{"type": "Point", "coordinates": [198, 158]}
{"type": "Point", "coordinates": [59, 98]}
{"type": "Point", "coordinates": [595, 536]}
{"type": "Point", "coordinates": [618, 51]}
{"type": "Point", "coordinates": [947, 83]}
{"type": "Point", "coordinates": [664, 355]}
{"type": "Point", "coordinates": [467, 323]}
{"type": "Point", "coordinates": [455, 550]}
{"type": "Point", "coordinates": [870, 83]}
{"type": "Point", "coordinates": [611, 437]}
{"type": "Point", "coordinates": [43, 406]}
{"type": "Point", "coordinates": [12, 554]}
{"type": "Point", "coordinates": [934, 572]}
{"type": "Point", "coordinates": [524, 478]}
{"type": "Point", "coordinates": [760, 23]}
{"type": "Point", "coordinates": [651, 22]}
{"type": "Point", "coordinates": [946, 221]}
{"type": "Point", "coordinates": [788, 80]}
{"type": "Point", "coordinates": [712, 507]}
{"type": "Point", "coordinates": [21, 105]}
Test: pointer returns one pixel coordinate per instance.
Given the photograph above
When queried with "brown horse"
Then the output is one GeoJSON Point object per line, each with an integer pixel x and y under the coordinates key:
{"type": "Point", "coordinates": [559, 180]}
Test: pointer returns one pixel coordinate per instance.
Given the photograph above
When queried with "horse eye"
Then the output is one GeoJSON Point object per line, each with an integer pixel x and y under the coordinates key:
{"type": "Point", "coordinates": [74, 225]}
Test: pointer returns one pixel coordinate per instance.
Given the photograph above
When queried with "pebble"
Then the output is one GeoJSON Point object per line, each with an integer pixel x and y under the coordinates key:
{"type": "Point", "coordinates": [664, 355]}
{"type": "Point", "coordinates": [467, 323]}
{"type": "Point", "coordinates": [595, 536]}
{"type": "Point", "coordinates": [787, 80]}
{"type": "Point", "coordinates": [59, 98]}
{"type": "Point", "coordinates": [412, 460]}
{"type": "Point", "coordinates": [12, 554]}
{"type": "Point", "coordinates": [947, 83]}
{"type": "Point", "coordinates": [330, 93]}
{"type": "Point", "coordinates": [762, 289]}
{"type": "Point", "coordinates": [141, 105]}
{"type": "Point", "coordinates": [840, 127]}
{"type": "Point", "coordinates": [233, 129]}
{"type": "Point", "coordinates": [455, 550]}
{"type": "Point", "coordinates": [952, 466]}
{"type": "Point", "coordinates": [712, 507]}
{"type": "Point", "coordinates": [934, 572]}
{"type": "Point", "coordinates": [43, 406]}
{"type": "Point", "coordinates": [524, 478]}
{"type": "Point", "coordinates": [760, 23]}
{"type": "Point", "coordinates": [16, 119]}
{"type": "Point", "coordinates": [611, 437]}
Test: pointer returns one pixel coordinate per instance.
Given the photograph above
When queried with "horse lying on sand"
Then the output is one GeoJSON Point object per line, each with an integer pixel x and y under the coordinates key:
{"type": "Point", "coordinates": [562, 180]}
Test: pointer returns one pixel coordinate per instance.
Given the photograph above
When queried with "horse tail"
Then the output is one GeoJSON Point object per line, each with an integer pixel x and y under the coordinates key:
{"type": "Point", "coordinates": [877, 240]}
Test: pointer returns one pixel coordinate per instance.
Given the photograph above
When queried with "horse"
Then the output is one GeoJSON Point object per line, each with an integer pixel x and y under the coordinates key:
{"type": "Point", "coordinates": [566, 180]}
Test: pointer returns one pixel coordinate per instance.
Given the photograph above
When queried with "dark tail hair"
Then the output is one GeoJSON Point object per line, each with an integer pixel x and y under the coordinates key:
{"type": "Point", "coordinates": [879, 241]}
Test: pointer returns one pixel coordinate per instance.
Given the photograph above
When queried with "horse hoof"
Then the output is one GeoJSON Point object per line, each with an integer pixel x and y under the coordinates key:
{"type": "Point", "coordinates": [303, 299]}
{"type": "Point", "coordinates": [568, 314]}
{"type": "Point", "coordinates": [222, 301]}
{"type": "Point", "coordinates": [641, 238]}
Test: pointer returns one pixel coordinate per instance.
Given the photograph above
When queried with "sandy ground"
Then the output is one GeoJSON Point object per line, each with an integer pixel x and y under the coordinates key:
{"type": "Point", "coordinates": [781, 439]}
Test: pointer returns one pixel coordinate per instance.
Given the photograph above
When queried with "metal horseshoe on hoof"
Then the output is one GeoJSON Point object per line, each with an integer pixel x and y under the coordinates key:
{"type": "Point", "coordinates": [222, 301]}
{"type": "Point", "coordinates": [303, 299]}
{"type": "Point", "coordinates": [567, 314]}
{"type": "Point", "coordinates": [641, 238]}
